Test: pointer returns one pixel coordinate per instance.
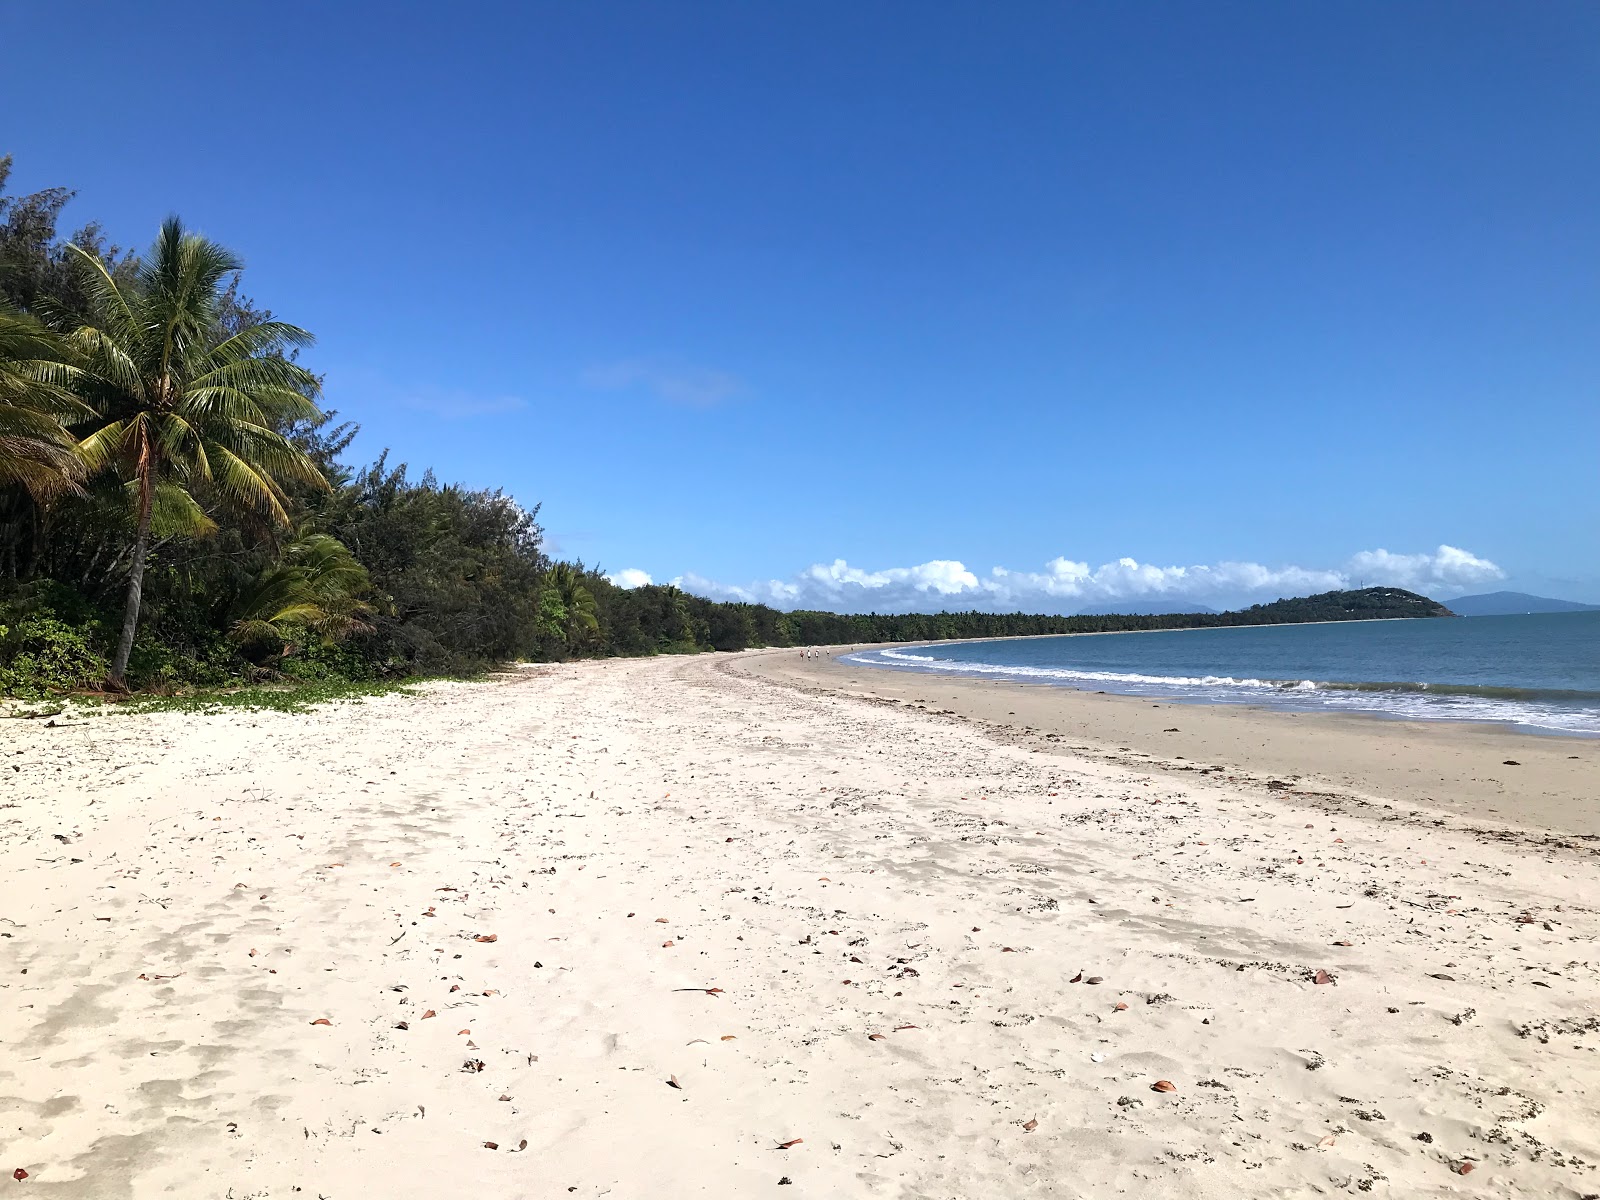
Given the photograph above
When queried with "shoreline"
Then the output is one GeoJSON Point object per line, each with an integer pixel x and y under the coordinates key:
{"type": "Point", "coordinates": [1280, 686]}
{"type": "Point", "coordinates": [1459, 769]}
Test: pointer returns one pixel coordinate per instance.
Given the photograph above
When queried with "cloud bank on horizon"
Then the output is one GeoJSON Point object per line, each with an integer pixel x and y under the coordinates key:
{"type": "Point", "coordinates": [1066, 586]}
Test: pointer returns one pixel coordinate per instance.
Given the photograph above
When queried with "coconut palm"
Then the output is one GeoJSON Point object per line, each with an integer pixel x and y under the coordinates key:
{"type": "Point", "coordinates": [186, 414]}
{"type": "Point", "coordinates": [35, 450]}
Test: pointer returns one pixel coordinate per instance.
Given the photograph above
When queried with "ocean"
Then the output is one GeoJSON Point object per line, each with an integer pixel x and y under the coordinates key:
{"type": "Point", "coordinates": [1539, 673]}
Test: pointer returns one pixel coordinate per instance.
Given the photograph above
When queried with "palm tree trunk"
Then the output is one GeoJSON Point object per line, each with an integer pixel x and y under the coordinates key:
{"type": "Point", "coordinates": [130, 615]}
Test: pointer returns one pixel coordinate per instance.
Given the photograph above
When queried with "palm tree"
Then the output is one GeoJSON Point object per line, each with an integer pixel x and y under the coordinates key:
{"type": "Point", "coordinates": [580, 621]}
{"type": "Point", "coordinates": [186, 413]}
{"type": "Point", "coordinates": [317, 586]}
{"type": "Point", "coordinates": [35, 449]}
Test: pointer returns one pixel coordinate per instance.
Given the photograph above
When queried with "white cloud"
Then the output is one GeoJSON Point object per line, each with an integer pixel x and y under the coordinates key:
{"type": "Point", "coordinates": [1065, 585]}
{"type": "Point", "coordinates": [692, 387]}
{"type": "Point", "coordinates": [630, 577]}
{"type": "Point", "coordinates": [1447, 568]}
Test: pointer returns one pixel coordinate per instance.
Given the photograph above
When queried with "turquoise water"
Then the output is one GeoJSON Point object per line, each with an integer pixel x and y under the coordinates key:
{"type": "Point", "coordinates": [1538, 672]}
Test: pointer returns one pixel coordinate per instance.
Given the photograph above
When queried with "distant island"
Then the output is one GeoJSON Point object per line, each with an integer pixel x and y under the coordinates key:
{"type": "Point", "coordinates": [1506, 604]}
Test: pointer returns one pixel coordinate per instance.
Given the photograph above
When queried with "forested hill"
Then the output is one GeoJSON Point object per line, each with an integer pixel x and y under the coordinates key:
{"type": "Point", "coordinates": [1366, 604]}
{"type": "Point", "coordinates": [178, 508]}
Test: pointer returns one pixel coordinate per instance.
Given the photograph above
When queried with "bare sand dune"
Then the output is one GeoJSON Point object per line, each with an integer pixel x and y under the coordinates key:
{"type": "Point", "coordinates": [633, 928]}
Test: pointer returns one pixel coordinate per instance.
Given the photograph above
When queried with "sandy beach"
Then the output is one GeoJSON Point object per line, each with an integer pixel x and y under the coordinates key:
{"type": "Point", "coordinates": [747, 925]}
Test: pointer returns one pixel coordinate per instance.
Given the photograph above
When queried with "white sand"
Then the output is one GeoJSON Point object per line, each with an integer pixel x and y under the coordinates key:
{"type": "Point", "coordinates": [184, 896]}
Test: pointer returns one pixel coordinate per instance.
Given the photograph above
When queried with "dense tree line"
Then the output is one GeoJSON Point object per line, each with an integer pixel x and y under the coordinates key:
{"type": "Point", "coordinates": [176, 508]}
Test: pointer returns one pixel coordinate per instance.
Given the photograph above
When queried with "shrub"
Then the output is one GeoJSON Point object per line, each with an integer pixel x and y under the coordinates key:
{"type": "Point", "coordinates": [41, 654]}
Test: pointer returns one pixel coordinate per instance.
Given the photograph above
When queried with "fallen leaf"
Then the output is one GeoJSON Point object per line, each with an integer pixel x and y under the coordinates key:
{"type": "Point", "coordinates": [899, 1028]}
{"type": "Point", "coordinates": [1327, 1141]}
{"type": "Point", "coordinates": [1030, 1125]}
{"type": "Point", "coordinates": [1466, 1168]}
{"type": "Point", "coordinates": [402, 1025]}
{"type": "Point", "coordinates": [790, 1142]}
{"type": "Point", "coordinates": [322, 1021]}
{"type": "Point", "coordinates": [672, 1082]}
{"type": "Point", "coordinates": [523, 1144]}
{"type": "Point", "coordinates": [19, 1174]}
{"type": "Point", "coordinates": [1324, 977]}
{"type": "Point", "coordinates": [1163, 1085]}
{"type": "Point", "coordinates": [505, 1097]}
{"type": "Point", "coordinates": [491, 1145]}
{"type": "Point", "coordinates": [668, 942]}
{"type": "Point", "coordinates": [464, 1033]}
{"type": "Point", "coordinates": [394, 864]}
{"type": "Point", "coordinates": [1120, 1007]}
{"type": "Point", "coordinates": [1078, 978]}
{"type": "Point", "coordinates": [1344, 943]}
{"type": "Point", "coordinates": [1446, 978]}
{"type": "Point", "coordinates": [1094, 979]}
{"type": "Point", "coordinates": [1007, 950]}
{"type": "Point", "coordinates": [728, 1037]}
{"type": "Point", "coordinates": [875, 1037]}
{"type": "Point", "coordinates": [487, 937]}
{"type": "Point", "coordinates": [661, 920]}
{"type": "Point", "coordinates": [429, 1013]}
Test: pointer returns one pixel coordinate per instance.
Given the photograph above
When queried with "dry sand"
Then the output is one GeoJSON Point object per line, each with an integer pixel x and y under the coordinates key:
{"type": "Point", "coordinates": [656, 919]}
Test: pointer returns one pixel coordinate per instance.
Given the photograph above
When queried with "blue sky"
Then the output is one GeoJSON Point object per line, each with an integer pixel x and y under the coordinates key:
{"type": "Point", "coordinates": [736, 289]}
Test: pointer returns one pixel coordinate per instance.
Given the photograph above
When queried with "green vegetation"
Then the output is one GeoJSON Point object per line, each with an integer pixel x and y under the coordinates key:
{"type": "Point", "coordinates": [177, 515]}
